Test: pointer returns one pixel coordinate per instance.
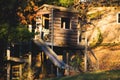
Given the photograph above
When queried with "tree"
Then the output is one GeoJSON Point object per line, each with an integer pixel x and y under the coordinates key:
{"type": "Point", "coordinates": [8, 12]}
{"type": "Point", "coordinates": [66, 3]}
{"type": "Point", "coordinates": [26, 11]}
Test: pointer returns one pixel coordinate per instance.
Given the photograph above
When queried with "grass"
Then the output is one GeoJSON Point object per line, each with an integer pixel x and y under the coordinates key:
{"type": "Point", "coordinates": [104, 75]}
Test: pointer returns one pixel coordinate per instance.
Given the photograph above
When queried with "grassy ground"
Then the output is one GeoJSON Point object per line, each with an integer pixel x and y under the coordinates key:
{"type": "Point", "coordinates": [104, 75]}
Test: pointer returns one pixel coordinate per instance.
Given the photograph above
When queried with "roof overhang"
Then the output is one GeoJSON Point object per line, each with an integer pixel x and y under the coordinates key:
{"type": "Point", "coordinates": [50, 7]}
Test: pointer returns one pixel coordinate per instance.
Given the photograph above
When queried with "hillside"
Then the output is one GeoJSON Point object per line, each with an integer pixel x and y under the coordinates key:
{"type": "Point", "coordinates": [105, 35]}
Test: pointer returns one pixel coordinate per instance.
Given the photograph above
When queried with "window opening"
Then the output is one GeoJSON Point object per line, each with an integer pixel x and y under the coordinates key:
{"type": "Point", "coordinates": [65, 23]}
{"type": "Point", "coordinates": [46, 21]}
{"type": "Point", "coordinates": [118, 18]}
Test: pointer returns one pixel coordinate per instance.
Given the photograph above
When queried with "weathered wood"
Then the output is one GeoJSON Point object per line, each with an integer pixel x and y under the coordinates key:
{"type": "Point", "coordinates": [85, 54]}
{"type": "Point", "coordinates": [8, 71]}
{"type": "Point", "coordinates": [65, 36]}
{"type": "Point", "coordinates": [65, 31]}
{"type": "Point", "coordinates": [63, 14]}
{"type": "Point", "coordinates": [65, 44]}
{"type": "Point", "coordinates": [57, 26]}
{"type": "Point", "coordinates": [43, 12]}
{"type": "Point", "coordinates": [58, 8]}
{"type": "Point", "coordinates": [15, 59]}
{"type": "Point", "coordinates": [66, 41]}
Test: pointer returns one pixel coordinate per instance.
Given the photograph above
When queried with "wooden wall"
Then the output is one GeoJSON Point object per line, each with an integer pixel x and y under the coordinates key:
{"type": "Point", "coordinates": [65, 37]}
{"type": "Point", "coordinates": [62, 37]}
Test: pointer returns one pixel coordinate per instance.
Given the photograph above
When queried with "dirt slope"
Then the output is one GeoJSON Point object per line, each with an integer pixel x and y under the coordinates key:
{"type": "Point", "coordinates": [109, 53]}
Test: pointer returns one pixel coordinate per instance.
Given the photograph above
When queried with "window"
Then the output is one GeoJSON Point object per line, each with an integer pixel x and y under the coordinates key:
{"type": "Point", "coordinates": [118, 18]}
{"type": "Point", "coordinates": [46, 21]}
{"type": "Point", "coordinates": [65, 23]}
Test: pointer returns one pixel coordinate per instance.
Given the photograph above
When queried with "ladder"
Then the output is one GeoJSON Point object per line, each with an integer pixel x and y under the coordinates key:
{"type": "Point", "coordinates": [16, 72]}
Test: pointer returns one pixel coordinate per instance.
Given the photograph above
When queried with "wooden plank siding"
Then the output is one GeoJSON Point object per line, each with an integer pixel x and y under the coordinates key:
{"type": "Point", "coordinates": [65, 37]}
{"type": "Point", "coordinates": [62, 37]}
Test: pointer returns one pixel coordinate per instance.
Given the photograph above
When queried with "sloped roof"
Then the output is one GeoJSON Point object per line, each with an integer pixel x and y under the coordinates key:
{"type": "Point", "coordinates": [58, 8]}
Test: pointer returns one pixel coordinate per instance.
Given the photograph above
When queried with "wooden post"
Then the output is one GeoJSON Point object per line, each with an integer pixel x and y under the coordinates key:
{"type": "Point", "coordinates": [52, 29]}
{"type": "Point", "coordinates": [30, 27]}
{"type": "Point", "coordinates": [20, 71]}
{"type": "Point", "coordinates": [78, 33]}
{"type": "Point", "coordinates": [42, 59]}
{"type": "Point", "coordinates": [8, 71]}
{"type": "Point", "coordinates": [67, 61]}
{"type": "Point", "coordinates": [8, 54]}
{"type": "Point", "coordinates": [57, 72]}
{"type": "Point", "coordinates": [8, 64]}
{"type": "Point", "coordinates": [29, 66]}
{"type": "Point", "coordinates": [85, 53]}
{"type": "Point", "coordinates": [78, 37]}
{"type": "Point", "coordinates": [52, 36]}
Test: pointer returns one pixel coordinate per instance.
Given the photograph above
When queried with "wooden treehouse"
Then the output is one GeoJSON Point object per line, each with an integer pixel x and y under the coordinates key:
{"type": "Point", "coordinates": [59, 25]}
{"type": "Point", "coordinates": [59, 37]}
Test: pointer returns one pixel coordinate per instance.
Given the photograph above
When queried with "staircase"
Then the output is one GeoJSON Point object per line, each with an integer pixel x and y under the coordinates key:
{"type": "Point", "coordinates": [51, 54]}
{"type": "Point", "coordinates": [16, 72]}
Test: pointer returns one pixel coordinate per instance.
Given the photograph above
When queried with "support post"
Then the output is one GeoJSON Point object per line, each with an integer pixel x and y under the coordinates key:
{"type": "Point", "coordinates": [85, 53]}
{"type": "Point", "coordinates": [8, 71]}
{"type": "Point", "coordinates": [52, 36]}
{"type": "Point", "coordinates": [57, 72]}
{"type": "Point", "coordinates": [30, 27]}
{"type": "Point", "coordinates": [8, 64]}
{"type": "Point", "coordinates": [20, 71]}
{"type": "Point", "coordinates": [29, 66]}
{"type": "Point", "coordinates": [67, 61]}
{"type": "Point", "coordinates": [52, 29]}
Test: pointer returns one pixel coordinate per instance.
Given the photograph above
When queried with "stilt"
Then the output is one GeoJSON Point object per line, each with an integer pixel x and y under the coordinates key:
{"type": "Point", "coordinates": [8, 71]}
{"type": "Point", "coordinates": [20, 71]}
{"type": "Point", "coordinates": [58, 72]}
{"type": "Point", "coordinates": [67, 61]}
{"type": "Point", "coordinates": [8, 64]}
{"type": "Point", "coordinates": [43, 74]}
{"type": "Point", "coordinates": [29, 66]}
{"type": "Point", "coordinates": [85, 53]}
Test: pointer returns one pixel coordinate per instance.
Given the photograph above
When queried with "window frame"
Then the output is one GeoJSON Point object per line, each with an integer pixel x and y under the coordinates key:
{"type": "Point", "coordinates": [118, 18]}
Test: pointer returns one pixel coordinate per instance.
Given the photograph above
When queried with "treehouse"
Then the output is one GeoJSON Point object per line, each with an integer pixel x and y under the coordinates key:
{"type": "Point", "coordinates": [58, 26]}
{"type": "Point", "coordinates": [58, 37]}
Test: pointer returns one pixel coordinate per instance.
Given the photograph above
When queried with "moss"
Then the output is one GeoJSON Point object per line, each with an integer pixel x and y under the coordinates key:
{"type": "Point", "coordinates": [96, 15]}
{"type": "Point", "coordinates": [97, 40]}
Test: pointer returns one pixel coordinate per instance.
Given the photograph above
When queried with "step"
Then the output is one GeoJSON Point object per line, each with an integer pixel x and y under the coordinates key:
{"type": "Point", "coordinates": [15, 78]}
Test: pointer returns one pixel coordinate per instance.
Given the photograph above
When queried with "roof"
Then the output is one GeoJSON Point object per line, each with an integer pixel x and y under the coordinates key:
{"type": "Point", "coordinates": [58, 8]}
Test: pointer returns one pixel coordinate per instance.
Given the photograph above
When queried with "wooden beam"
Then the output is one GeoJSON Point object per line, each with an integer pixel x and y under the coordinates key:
{"type": "Point", "coordinates": [65, 36]}
{"type": "Point", "coordinates": [15, 59]}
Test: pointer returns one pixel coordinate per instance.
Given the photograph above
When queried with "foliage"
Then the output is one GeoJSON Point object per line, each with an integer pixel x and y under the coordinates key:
{"type": "Point", "coordinates": [77, 62]}
{"type": "Point", "coordinates": [4, 31]}
{"type": "Point", "coordinates": [66, 3]}
{"type": "Point", "coordinates": [26, 11]}
{"type": "Point", "coordinates": [8, 12]}
{"type": "Point", "coordinates": [15, 34]}
{"type": "Point", "coordinates": [95, 16]}
{"type": "Point", "coordinates": [23, 34]}
{"type": "Point", "coordinates": [97, 39]}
